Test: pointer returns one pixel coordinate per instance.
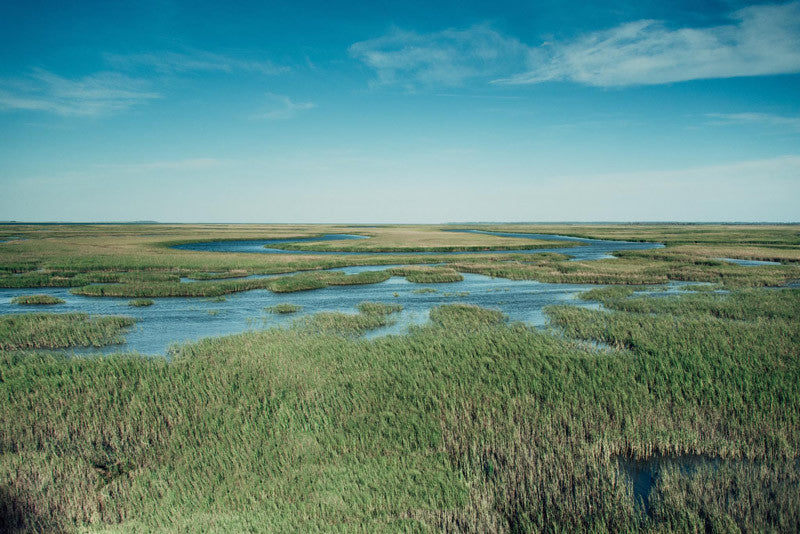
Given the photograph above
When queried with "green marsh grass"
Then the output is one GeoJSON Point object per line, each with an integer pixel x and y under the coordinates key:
{"type": "Point", "coordinates": [217, 276]}
{"type": "Point", "coordinates": [370, 315]}
{"type": "Point", "coordinates": [37, 300]}
{"type": "Point", "coordinates": [306, 281]}
{"type": "Point", "coordinates": [468, 423]}
{"type": "Point", "coordinates": [698, 288]}
{"type": "Point", "coordinates": [139, 258]}
{"type": "Point", "coordinates": [283, 284]}
{"type": "Point", "coordinates": [427, 275]}
{"type": "Point", "coordinates": [60, 330]}
{"type": "Point", "coordinates": [283, 308]}
{"type": "Point", "coordinates": [141, 303]}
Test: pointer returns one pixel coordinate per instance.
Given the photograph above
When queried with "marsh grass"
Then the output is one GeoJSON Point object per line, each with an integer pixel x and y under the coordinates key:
{"type": "Point", "coordinates": [306, 281]}
{"type": "Point", "coordinates": [701, 288]}
{"type": "Point", "coordinates": [283, 308]}
{"type": "Point", "coordinates": [467, 423]}
{"type": "Point", "coordinates": [57, 330]}
{"type": "Point", "coordinates": [421, 238]}
{"type": "Point", "coordinates": [210, 289]}
{"type": "Point", "coordinates": [466, 316]}
{"type": "Point", "coordinates": [18, 267]}
{"type": "Point", "coordinates": [378, 308]}
{"type": "Point", "coordinates": [457, 294]}
{"type": "Point", "coordinates": [37, 300]}
{"type": "Point", "coordinates": [139, 259]}
{"type": "Point", "coordinates": [637, 268]}
{"type": "Point", "coordinates": [742, 305]}
{"type": "Point", "coordinates": [424, 290]}
{"type": "Point", "coordinates": [427, 275]}
{"type": "Point", "coordinates": [370, 315]}
{"type": "Point", "coordinates": [140, 303]}
{"type": "Point", "coordinates": [240, 273]}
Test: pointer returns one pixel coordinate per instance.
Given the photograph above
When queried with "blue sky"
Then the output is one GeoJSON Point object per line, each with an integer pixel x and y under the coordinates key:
{"type": "Point", "coordinates": [399, 111]}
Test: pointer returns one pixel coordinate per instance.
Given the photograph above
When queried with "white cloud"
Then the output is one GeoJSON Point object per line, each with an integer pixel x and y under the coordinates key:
{"type": "Point", "coordinates": [763, 40]}
{"type": "Point", "coordinates": [448, 57]}
{"type": "Point", "coordinates": [108, 92]}
{"type": "Point", "coordinates": [282, 107]}
{"type": "Point", "coordinates": [97, 94]}
{"type": "Point", "coordinates": [168, 62]}
{"type": "Point", "coordinates": [755, 118]}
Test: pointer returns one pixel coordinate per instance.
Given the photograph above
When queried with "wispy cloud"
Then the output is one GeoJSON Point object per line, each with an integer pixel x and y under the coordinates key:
{"type": "Point", "coordinates": [97, 94]}
{"type": "Point", "coordinates": [449, 57]}
{"type": "Point", "coordinates": [171, 165]}
{"type": "Point", "coordinates": [282, 107]}
{"type": "Point", "coordinates": [169, 62]}
{"type": "Point", "coordinates": [762, 40]}
{"type": "Point", "coordinates": [755, 118]}
{"type": "Point", "coordinates": [130, 82]}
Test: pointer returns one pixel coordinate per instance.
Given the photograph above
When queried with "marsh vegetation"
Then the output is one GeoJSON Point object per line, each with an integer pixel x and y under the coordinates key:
{"type": "Point", "coordinates": [284, 307]}
{"type": "Point", "coordinates": [468, 422]}
{"type": "Point", "coordinates": [29, 300]}
{"type": "Point", "coordinates": [141, 303]}
{"type": "Point", "coordinates": [59, 330]}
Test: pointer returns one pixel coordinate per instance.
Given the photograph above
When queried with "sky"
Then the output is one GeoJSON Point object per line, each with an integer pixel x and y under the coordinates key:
{"type": "Point", "coordinates": [399, 112]}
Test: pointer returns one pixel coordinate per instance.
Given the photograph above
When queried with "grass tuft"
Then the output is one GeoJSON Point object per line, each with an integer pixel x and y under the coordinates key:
{"type": "Point", "coordinates": [283, 308]}
{"type": "Point", "coordinates": [37, 300]}
{"type": "Point", "coordinates": [60, 330]}
{"type": "Point", "coordinates": [140, 303]}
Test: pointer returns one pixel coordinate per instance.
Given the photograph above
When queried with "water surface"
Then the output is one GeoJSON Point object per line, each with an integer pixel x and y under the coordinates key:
{"type": "Point", "coordinates": [585, 249]}
{"type": "Point", "coordinates": [643, 475]}
{"type": "Point", "coordinates": [174, 320]}
{"type": "Point", "coordinates": [177, 319]}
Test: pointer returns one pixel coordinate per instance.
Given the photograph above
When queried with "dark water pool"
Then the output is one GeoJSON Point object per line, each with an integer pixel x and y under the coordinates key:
{"type": "Point", "coordinates": [643, 475]}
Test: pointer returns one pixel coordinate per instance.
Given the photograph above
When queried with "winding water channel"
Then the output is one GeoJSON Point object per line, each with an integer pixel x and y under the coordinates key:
{"type": "Point", "coordinates": [175, 320]}
{"type": "Point", "coordinates": [585, 249]}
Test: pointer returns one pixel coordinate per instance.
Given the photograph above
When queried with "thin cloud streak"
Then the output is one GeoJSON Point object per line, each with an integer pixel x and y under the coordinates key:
{"type": "Point", "coordinates": [109, 92]}
{"type": "Point", "coordinates": [282, 107]}
{"type": "Point", "coordinates": [767, 119]}
{"type": "Point", "coordinates": [101, 93]}
{"type": "Point", "coordinates": [168, 62]}
{"type": "Point", "coordinates": [445, 58]}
